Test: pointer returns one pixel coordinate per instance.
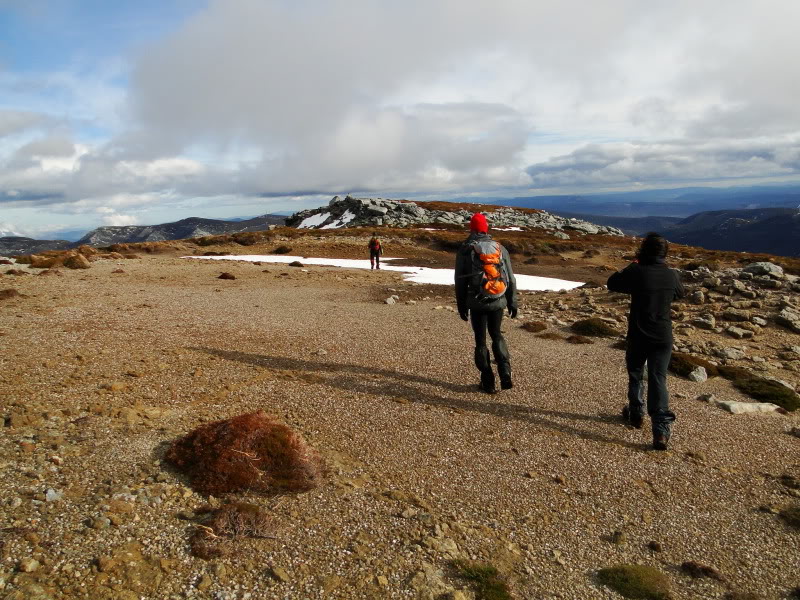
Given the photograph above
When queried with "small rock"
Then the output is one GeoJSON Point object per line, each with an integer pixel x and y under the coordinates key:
{"type": "Point", "coordinates": [279, 574]}
{"type": "Point", "coordinates": [204, 583]}
{"type": "Point", "coordinates": [655, 546]}
{"type": "Point", "coordinates": [28, 565]}
{"type": "Point", "coordinates": [52, 495]}
{"type": "Point", "coordinates": [390, 300]}
{"type": "Point", "coordinates": [227, 275]}
{"type": "Point", "coordinates": [698, 375]}
{"type": "Point", "coordinates": [738, 408]}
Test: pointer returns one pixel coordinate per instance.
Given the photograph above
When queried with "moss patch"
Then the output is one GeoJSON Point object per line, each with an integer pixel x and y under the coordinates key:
{"type": "Point", "coordinates": [791, 515]}
{"type": "Point", "coordinates": [484, 578]}
{"type": "Point", "coordinates": [763, 390]}
{"type": "Point", "coordinates": [636, 581]}
{"type": "Point", "coordinates": [594, 327]}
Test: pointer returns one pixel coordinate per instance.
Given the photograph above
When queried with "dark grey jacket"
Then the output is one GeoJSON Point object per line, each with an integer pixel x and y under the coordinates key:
{"type": "Point", "coordinates": [465, 296]}
{"type": "Point", "coordinates": [652, 286]}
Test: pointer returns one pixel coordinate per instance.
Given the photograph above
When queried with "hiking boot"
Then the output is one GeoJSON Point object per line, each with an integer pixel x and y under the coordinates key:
{"type": "Point", "coordinates": [634, 420]}
{"type": "Point", "coordinates": [660, 441]}
{"type": "Point", "coordinates": [505, 376]}
{"type": "Point", "coordinates": [487, 382]}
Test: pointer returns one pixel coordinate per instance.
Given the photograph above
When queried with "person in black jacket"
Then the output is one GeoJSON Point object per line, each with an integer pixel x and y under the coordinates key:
{"type": "Point", "coordinates": [485, 313]}
{"type": "Point", "coordinates": [652, 286]}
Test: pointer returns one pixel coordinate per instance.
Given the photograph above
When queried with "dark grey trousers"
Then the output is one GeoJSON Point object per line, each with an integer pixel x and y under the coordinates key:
{"type": "Point", "coordinates": [483, 322]}
{"type": "Point", "coordinates": [657, 358]}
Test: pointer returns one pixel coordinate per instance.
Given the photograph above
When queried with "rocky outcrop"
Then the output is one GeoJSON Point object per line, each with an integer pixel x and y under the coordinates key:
{"type": "Point", "coordinates": [370, 212]}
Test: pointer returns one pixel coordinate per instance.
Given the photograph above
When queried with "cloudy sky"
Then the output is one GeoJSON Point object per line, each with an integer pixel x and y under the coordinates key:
{"type": "Point", "coordinates": [144, 112]}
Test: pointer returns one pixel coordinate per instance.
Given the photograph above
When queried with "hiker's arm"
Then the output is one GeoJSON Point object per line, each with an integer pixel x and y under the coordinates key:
{"type": "Point", "coordinates": [621, 281]}
{"type": "Point", "coordinates": [461, 281]}
{"type": "Point", "coordinates": [680, 291]}
{"type": "Point", "coordinates": [511, 292]}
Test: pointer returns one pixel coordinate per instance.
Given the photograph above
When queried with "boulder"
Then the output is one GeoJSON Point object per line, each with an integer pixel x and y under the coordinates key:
{"type": "Point", "coordinates": [77, 261]}
{"type": "Point", "coordinates": [789, 318]}
{"type": "Point", "coordinates": [765, 268]}
{"type": "Point", "coordinates": [698, 375]}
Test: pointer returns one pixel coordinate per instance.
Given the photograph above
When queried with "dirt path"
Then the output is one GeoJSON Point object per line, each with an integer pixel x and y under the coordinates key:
{"type": "Point", "coordinates": [99, 370]}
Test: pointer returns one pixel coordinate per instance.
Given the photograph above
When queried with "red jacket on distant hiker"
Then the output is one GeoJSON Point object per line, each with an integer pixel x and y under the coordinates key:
{"type": "Point", "coordinates": [375, 251]}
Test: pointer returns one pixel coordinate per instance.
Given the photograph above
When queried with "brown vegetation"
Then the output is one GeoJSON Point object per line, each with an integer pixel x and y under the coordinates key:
{"type": "Point", "coordinates": [534, 326]}
{"type": "Point", "coordinates": [248, 452]}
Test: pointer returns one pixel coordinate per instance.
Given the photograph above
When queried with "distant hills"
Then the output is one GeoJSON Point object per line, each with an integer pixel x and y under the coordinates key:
{"type": "Point", "coordinates": [765, 230]}
{"type": "Point", "coordinates": [105, 236]}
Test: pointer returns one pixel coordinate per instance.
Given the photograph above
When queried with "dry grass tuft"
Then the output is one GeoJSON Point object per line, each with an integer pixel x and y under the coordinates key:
{"type": "Point", "coordinates": [485, 579]}
{"type": "Point", "coordinates": [594, 327]}
{"type": "Point", "coordinates": [534, 326]}
{"type": "Point", "coordinates": [249, 452]}
{"type": "Point", "coordinates": [791, 515]}
{"type": "Point", "coordinates": [9, 293]}
{"type": "Point", "coordinates": [636, 581]}
{"type": "Point", "coordinates": [579, 339]}
{"type": "Point", "coordinates": [699, 570]}
{"type": "Point", "coordinates": [220, 526]}
{"type": "Point", "coordinates": [550, 335]}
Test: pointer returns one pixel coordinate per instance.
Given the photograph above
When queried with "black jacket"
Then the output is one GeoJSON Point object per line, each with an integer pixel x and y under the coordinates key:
{"type": "Point", "coordinates": [652, 286]}
{"type": "Point", "coordinates": [465, 297]}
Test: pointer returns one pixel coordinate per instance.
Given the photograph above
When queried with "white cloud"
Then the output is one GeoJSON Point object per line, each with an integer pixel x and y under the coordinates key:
{"type": "Point", "coordinates": [253, 97]}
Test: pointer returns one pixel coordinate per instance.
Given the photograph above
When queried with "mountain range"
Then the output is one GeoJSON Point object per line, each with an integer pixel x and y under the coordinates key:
{"type": "Point", "coordinates": [105, 236]}
{"type": "Point", "coordinates": [753, 219]}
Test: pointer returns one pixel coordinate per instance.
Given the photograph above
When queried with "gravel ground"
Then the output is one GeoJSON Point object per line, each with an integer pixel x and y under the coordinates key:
{"type": "Point", "coordinates": [100, 370]}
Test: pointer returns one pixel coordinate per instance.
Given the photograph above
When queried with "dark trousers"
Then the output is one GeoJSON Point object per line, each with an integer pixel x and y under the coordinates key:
{"type": "Point", "coordinates": [481, 323]}
{"type": "Point", "coordinates": [375, 259]}
{"type": "Point", "coordinates": [657, 358]}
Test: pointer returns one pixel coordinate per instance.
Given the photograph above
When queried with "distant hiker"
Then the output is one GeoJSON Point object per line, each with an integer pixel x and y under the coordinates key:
{"type": "Point", "coordinates": [485, 286]}
{"type": "Point", "coordinates": [375, 251]}
{"type": "Point", "coordinates": [652, 286]}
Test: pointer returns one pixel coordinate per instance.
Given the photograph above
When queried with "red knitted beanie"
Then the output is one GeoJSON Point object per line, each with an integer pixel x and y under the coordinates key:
{"type": "Point", "coordinates": [478, 223]}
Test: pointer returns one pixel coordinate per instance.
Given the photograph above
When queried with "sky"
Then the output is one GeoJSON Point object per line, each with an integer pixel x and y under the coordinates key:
{"type": "Point", "coordinates": [120, 113]}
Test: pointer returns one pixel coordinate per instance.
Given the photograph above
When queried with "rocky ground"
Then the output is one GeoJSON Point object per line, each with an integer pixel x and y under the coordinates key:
{"type": "Point", "coordinates": [103, 367]}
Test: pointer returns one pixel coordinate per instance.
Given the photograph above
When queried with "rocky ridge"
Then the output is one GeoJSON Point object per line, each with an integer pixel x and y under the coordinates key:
{"type": "Point", "coordinates": [371, 212]}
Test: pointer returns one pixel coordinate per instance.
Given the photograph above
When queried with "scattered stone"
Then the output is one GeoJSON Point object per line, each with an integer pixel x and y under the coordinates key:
{"type": "Point", "coordinates": [730, 353]}
{"type": "Point", "coordinates": [765, 268]}
{"type": "Point", "coordinates": [738, 408]}
{"type": "Point", "coordinates": [789, 318]}
{"type": "Point", "coordinates": [296, 263]}
{"type": "Point", "coordinates": [655, 546]}
{"type": "Point", "coordinates": [279, 574]}
{"type": "Point", "coordinates": [698, 375]}
{"type": "Point", "coordinates": [52, 495]}
{"type": "Point", "coordinates": [739, 333]}
{"type": "Point", "coordinates": [28, 565]}
{"type": "Point", "coordinates": [390, 300]}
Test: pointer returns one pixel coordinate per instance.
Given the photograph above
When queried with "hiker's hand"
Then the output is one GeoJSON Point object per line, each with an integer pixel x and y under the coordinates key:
{"type": "Point", "coordinates": [464, 314]}
{"type": "Point", "coordinates": [512, 312]}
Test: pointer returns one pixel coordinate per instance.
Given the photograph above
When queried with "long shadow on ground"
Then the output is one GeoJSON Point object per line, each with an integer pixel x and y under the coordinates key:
{"type": "Point", "coordinates": [399, 385]}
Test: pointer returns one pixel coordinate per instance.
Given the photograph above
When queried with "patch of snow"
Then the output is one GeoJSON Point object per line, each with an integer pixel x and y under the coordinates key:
{"type": "Point", "coordinates": [341, 221]}
{"type": "Point", "coordinates": [414, 274]}
{"type": "Point", "coordinates": [314, 220]}
{"type": "Point", "coordinates": [508, 228]}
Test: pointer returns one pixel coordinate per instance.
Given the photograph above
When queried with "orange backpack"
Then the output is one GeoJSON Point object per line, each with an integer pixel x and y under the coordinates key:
{"type": "Point", "coordinates": [489, 277]}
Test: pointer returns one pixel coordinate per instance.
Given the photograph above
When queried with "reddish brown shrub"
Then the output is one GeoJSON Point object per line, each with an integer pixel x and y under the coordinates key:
{"type": "Point", "coordinates": [550, 335]}
{"type": "Point", "coordinates": [249, 452]}
{"type": "Point", "coordinates": [534, 326]}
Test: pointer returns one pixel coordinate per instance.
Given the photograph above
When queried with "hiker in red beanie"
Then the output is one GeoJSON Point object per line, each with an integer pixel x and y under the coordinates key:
{"type": "Point", "coordinates": [485, 286]}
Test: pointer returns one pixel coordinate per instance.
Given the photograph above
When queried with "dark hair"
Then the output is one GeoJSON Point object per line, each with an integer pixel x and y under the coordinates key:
{"type": "Point", "coordinates": [653, 246]}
